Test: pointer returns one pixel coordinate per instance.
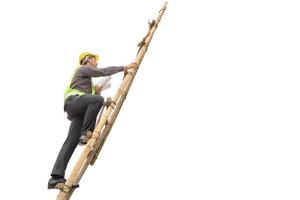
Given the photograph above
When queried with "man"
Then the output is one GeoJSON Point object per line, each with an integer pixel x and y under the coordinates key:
{"type": "Point", "coordinates": [82, 105]}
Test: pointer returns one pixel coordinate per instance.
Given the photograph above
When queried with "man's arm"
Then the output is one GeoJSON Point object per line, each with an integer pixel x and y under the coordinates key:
{"type": "Point", "coordinates": [96, 72]}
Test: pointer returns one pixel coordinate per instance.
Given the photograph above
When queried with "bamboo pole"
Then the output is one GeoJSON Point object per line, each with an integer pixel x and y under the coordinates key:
{"type": "Point", "coordinates": [102, 129]}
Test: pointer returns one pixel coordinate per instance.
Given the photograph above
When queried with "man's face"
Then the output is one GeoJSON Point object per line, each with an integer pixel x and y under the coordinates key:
{"type": "Point", "coordinates": [93, 62]}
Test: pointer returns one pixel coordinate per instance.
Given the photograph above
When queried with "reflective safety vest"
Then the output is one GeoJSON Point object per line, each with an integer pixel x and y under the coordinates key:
{"type": "Point", "coordinates": [70, 91]}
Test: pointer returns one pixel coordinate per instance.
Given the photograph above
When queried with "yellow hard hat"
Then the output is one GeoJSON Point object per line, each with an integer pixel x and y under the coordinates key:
{"type": "Point", "coordinates": [84, 54]}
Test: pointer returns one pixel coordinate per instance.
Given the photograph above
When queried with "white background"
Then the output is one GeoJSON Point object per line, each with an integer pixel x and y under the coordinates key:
{"type": "Point", "coordinates": [212, 114]}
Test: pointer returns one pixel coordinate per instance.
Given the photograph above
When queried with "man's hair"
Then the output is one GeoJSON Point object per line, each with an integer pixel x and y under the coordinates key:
{"type": "Point", "coordinates": [86, 59]}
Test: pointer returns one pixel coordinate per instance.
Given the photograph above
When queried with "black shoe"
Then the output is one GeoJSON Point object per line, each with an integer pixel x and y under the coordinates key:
{"type": "Point", "coordinates": [83, 140]}
{"type": "Point", "coordinates": [54, 181]}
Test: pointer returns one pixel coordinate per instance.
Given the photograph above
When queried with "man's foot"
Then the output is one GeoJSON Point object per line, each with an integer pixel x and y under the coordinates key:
{"type": "Point", "coordinates": [54, 181]}
{"type": "Point", "coordinates": [83, 140]}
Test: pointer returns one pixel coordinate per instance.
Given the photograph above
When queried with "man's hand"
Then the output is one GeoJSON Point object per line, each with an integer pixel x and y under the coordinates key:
{"type": "Point", "coordinates": [132, 65]}
{"type": "Point", "coordinates": [98, 89]}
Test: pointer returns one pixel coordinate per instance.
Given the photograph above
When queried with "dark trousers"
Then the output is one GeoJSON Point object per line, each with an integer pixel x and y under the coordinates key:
{"type": "Point", "coordinates": [82, 111]}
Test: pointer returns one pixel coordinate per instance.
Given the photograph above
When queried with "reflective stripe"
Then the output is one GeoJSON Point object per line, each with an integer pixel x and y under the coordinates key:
{"type": "Point", "coordinates": [93, 89]}
{"type": "Point", "coordinates": [70, 92]}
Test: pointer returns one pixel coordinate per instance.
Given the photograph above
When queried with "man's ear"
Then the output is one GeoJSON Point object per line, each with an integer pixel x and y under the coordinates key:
{"type": "Point", "coordinates": [88, 61]}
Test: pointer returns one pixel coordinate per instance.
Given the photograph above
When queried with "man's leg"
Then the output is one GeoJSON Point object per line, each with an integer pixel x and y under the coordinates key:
{"type": "Point", "coordinates": [91, 113]}
{"type": "Point", "coordinates": [83, 111]}
{"type": "Point", "coordinates": [90, 116]}
{"type": "Point", "coordinates": [68, 148]}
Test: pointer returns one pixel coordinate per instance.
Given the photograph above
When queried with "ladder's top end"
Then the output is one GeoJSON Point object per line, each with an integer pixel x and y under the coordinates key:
{"type": "Point", "coordinates": [166, 3]}
{"type": "Point", "coordinates": [164, 7]}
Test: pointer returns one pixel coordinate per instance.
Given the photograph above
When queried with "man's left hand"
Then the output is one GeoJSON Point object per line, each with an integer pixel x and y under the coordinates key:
{"type": "Point", "coordinates": [98, 89]}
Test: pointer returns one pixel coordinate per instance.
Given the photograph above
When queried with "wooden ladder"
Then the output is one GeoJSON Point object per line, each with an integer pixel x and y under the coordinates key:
{"type": "Point", "coordinates": [103, 127]}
